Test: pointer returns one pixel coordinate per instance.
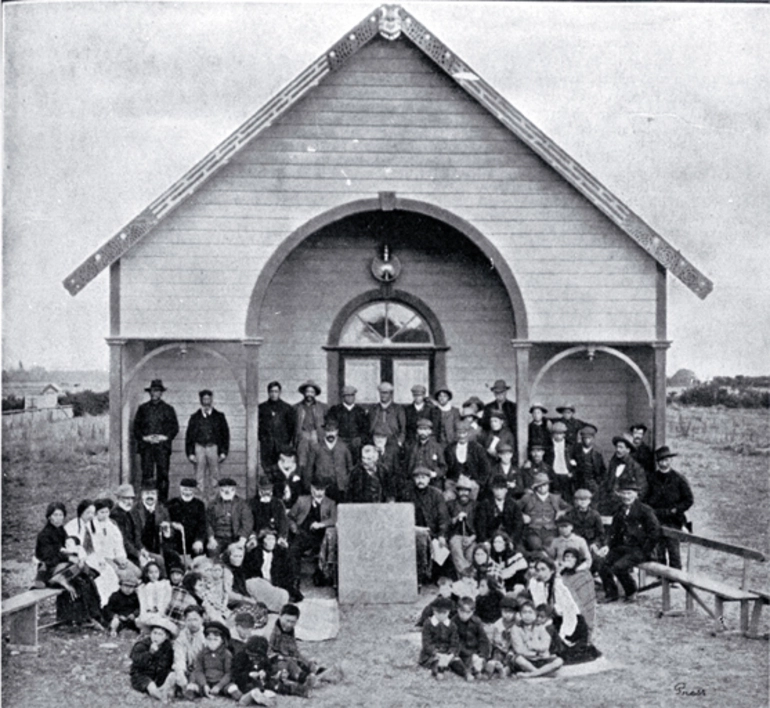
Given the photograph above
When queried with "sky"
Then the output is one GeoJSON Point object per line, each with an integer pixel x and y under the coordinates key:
{"type": "Point", "coordinates": [107, 104]}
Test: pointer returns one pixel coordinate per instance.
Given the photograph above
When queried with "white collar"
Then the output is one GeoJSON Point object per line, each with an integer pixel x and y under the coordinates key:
{"type": "Point", "coordinates": [434, 621]}
{"type": "Point", "coordinates": [349, 407]}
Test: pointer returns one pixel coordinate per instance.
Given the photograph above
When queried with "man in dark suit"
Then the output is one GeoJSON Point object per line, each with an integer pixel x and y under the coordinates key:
{"type": "Point", "coordinates": [642, 452]}
{"type": "Point", "coordinates": [353, 421]}
{"type": "Point", "coordinates": [369, 483]}
{"type": "Point", "coordinates": [465, 457]}
{"type": "Point", "coordinates": [572, 423]}
{"type": "Point", "coordinates": [189, 513]}
{"type": "Point", "coordinates": [622, 468]}
{"type": "Point", "coordinates": [388, 415]}
{"type": "Point", "coordinates": [310, 418]}
{"type": "Point", "coordinates": [207, 442]}
{"type": "Point", "coordinates": [426, 451]}
{"type": "Point", "coordinates": [420, 409]}
{"type": "Point", "coordinates": [500, 513]}
{"type": "Point", "coordinates": [121, 515]}
{"type": "Point", "coordinates": [590, 470]}
{"type": "Point", "coordinates": [309, 520]}
{"type": "Point", "coordinates": [277, 423]}
{"type": "Point", "coordinates": [669, 496]}
{"type": "Point", "coordinates": [155, 427]}
{"type": "Point", "coordinates": [149, 516]}
{"type": "Point", "coordinates": [633, 536]}
{"type": "Point", "coordinates": [269, 513]}
{"type": "Point", "coordinates": [502, 404]}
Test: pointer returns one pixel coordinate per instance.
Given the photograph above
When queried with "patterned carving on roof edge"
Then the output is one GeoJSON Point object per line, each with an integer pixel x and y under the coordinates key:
{"type": "Point", "coordinates": [391, 23]}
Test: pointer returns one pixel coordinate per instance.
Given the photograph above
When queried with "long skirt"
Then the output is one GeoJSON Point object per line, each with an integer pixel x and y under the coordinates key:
{"type": "Point", "coordinates": [86, 606]}
{"type": "Point", "coordinates": [581, 651]}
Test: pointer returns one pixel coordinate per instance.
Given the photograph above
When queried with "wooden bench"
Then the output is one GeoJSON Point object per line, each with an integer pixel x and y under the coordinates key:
{"type": "Point", "coordinates": [763, 598]}
{"type": "Point", "coordinates": [22, 614]}
{"type": "Point", "coordinates": [692, 581]}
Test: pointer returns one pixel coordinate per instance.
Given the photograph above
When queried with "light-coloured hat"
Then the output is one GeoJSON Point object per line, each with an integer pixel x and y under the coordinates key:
{"type": "Point", "coordinates": [626, 439]}
{"type": "Point", "coordinates": [310, 384]}
{"type": "Point", "coordinates": [385, 387]}
{"type": "Point", "coordinates": [538, 405]}
{"type": "Point", "coordinates": [163, 623]}
{"type": "Point", "coordinates": [125, 491]}
{"type": "Point", "coordinates": [349, 391]}
{"type": "Point", "coordinates": [589, 429]}
{"type": "Point", "coordinates": [583, 494]}
{"type": "Point", "coordinates": [540, 478]}
{"type": "Point", "coordinates": [559, 427]}
{"type": "Point", "coordinates": [464, 482]}
{"type": "Point", "coordinates": [420, 470]}
{"type": "Point", "coordinates": [424, 423]}
{"type": "Point", "coordinates": [419, 388]}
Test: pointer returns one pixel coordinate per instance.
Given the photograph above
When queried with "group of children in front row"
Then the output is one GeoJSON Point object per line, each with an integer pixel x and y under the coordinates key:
{"type": "Point", "coordinates": [243, 666]}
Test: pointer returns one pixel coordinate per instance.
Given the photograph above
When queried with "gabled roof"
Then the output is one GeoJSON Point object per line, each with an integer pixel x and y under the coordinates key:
{"type": "Point", "coordinates": [391, 22]}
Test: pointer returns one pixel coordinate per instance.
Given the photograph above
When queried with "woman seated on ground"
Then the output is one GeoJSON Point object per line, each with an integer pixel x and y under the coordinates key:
{"type": "Point", "coordinates": [571, 640]}
{"type": "Point", "coordinates": [61, 565]}
{"type": "Point", "coordinates": [580, 583]}
{"type": "Point", "coordinates": [214, 591]}
{"type": "Point", "coordinates": [154, 593]}
{"type": "Point", "coordinates": [269, 573]}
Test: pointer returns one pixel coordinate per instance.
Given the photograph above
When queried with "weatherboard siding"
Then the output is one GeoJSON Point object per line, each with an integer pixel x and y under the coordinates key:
{"type": "Point", "coordinates": [389, 121]}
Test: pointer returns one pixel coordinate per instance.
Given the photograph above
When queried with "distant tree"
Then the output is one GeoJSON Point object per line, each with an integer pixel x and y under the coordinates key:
{"type": "Point", "coordinates": [86, 402]}
{"type": "Point", "coordinates": [13, 403]}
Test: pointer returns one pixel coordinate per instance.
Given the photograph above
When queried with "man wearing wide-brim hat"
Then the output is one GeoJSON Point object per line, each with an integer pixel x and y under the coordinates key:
{"type": "Point", "coordinates": [540, 509]}
{"type": "Point", "coordinates": [621, 468]}
{"type": "Point", "coordinates": [311, 416]}
{"type": "Point", "coordinates": [632, 539]}
{"type": "Point", "coordinates": [155, 427]}
{"type": "Point", "coordinates": [388, 415]}
{"type": "Point", "coordinates": [669, 497]}
{"type": "Point", "coordinates": [501, 403]}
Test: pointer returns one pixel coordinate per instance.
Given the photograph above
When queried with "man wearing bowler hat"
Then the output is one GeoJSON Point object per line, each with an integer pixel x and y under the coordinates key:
{"type": "Point", "coordinates": [669, 496]}
{"type": "Point", "coordinates": [310, 419]}
{"type": "Point", "coordinates": [632, 539]}
{"type": "Point", "coordinates": [329, 460]}
{"type": "Point", "coordinates": [155, 427]}
{"type": "Point", "coordinates": [353, 421]}
{"type": "Point", "coordinates": [621, 468]}
{"type": "Point", "coordinates": [388, 415]}
{"type": "Point", "coordinates": [188, 515]}
{"type": "Point", "coordinates": [502, 405]}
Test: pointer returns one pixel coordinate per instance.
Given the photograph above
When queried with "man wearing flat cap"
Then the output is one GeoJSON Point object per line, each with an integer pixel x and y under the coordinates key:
{"type": "Point", "coordinates": [207, 441]}
{"type": "Point", "coordinates": [501, 404]}
{"type": "Point", "coordinates": [228, 519]}
{"type": "Point", "coordinates": [559, 457]}
{"type": "Point", "coordinates": [573, 424]}
{"type": "Point", "coordinates": [419, 409]}
{"type": "Point", "coordinates": [188, 515]}
{"type": "Point", "coordinates": [632, 539]}
{"type": "Point", "coordinates": [388, 415]}
{"type": "Point", "coordinates": [155, 427]}
{"type": "Point", "coordinates": [311, 416]}
{"type": "Point", "coordinates": [426, 451]}
{"type": "Point", "coordinates": [642, 452]}
{"type": "Point", "coordinates": [330, 460]}
{"type": "Point", "coordinates": [589, 468]}
{"type": "Point", "coordinates": [353, 421]}
{"type": "Point", "coordinates": [465, 457]}
{"type": "Point", "coordinates": [276, 427]}
{"type": "Point", "coordinates": [669, 496]}
{"type": "Point", "coordinates": [621, 468]}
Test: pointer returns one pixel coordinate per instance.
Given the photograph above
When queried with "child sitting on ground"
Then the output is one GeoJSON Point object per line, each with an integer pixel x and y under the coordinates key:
{"type": "Point", "coordinates": [473, 642]}
{"type": "Point", "coordinates": [440, 642]}
{"type": "Point", "coordinates": [122, 608]}
{"type": "Point", "coordinates": [297, 673]}
{"type": "Point", "coordinates": [503, 658]}
{"type": "Point", "coordinates": [567, 539]}
{"type": "Point", "coordinates": [243, 628]}
{"type": "Point", "coordinates": [251, 674]}
{"type": "Point", "coordinates": [444, 590]}
{"type": "Point", "coordinates": [154, 593]}
{"type": "Point", "coordinates": [152, 658]}
{"type": "Point", "coordinates": [488, 602]}
{"type": "Point", "coordinates": [175, 576]}
{"type": "Point", "coordinates": [211, 675]}
{"type": "Point", "coordinates": [532, 644]}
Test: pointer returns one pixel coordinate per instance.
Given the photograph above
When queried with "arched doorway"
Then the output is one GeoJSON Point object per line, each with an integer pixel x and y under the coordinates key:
{"type": "Point", "coordinates": [395, 338]}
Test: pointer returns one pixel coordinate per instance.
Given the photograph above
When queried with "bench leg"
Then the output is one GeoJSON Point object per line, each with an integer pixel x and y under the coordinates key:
{"type": "Point", "coordinates": [756, 616]}
{"type": "Point", "coordinates": [23, 629]}
{"type": "Point", "coordinates": [744, 616]}
{"type": "Point", "coordinates": [666, 598]}
{"type": "Point", "coordinates": [719, 612]}
{"type": "Point", "coordinates": [689, 606]}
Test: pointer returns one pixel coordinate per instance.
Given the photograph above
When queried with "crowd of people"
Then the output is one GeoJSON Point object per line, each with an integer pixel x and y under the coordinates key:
{"type": "Point", "coordinates": [514, 548]}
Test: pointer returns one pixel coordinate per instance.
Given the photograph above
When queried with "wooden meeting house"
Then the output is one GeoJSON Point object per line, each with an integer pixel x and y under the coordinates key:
{"type": "Point", "coordinates": [386, 216]}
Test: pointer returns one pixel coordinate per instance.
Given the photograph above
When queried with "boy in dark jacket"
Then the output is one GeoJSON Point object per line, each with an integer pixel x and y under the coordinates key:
{"type": "Point", "coordinates": [251, 674]}
{"type": "Point", "coordinates": [152, 658]}
{"type": "Point", "coordinates": [444, 591]}
{"type": "Point", "coordinates": [440, 642]}
{"type": "Point", "coordinates": [473, 641]}
{"type": "Point", "coordinates": [211, 676]}
{"type": "Point", "coordinates": [122, 608]}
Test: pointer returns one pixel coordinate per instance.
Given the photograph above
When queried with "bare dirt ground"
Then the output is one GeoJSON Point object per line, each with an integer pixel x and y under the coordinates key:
{"type": "Point", "coordinates": [723, 454]}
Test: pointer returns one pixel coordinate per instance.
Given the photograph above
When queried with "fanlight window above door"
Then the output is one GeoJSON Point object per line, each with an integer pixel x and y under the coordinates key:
{"type": "Point", "coordinates": [386, 324]}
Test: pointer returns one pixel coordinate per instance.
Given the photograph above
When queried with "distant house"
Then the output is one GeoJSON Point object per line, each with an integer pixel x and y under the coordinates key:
{"type": "Point", "coordinates": [388, 216]}
{"type": "Point", "coordinates": [47, 398]}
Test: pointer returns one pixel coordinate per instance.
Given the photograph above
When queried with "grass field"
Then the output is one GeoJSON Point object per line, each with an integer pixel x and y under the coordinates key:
{"type": "Point", "coordinates": [724, 454]}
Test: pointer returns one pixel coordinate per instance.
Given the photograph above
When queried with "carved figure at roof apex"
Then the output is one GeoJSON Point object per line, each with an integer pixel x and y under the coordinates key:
{"type": "Point", "coordinates": [390, 22]}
